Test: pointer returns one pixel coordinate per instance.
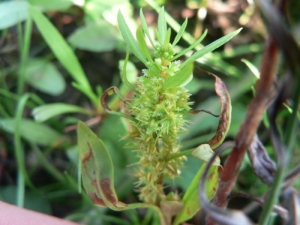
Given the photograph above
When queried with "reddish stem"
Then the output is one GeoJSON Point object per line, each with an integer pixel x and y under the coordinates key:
{"type": "Point", "coordinates": [264, 93]}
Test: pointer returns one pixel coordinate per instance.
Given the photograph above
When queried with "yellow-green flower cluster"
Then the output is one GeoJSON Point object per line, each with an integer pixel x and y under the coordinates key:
{"type": "Point", "coordinates": [158, 114]}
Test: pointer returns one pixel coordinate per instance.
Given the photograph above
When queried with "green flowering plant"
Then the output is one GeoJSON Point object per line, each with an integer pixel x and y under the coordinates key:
{"type": "Point", "coordinates": [156, 114]}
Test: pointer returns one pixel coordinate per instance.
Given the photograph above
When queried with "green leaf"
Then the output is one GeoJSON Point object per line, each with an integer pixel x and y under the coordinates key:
{"type": "Point", "coordinates": [43, 75]}
{"type": "Point", "coordinates": [97, 169]}
{"type": "Point", "coordinates": [127, 68]}
{"type": "Point", "coordinates": [145, 27]}
{"type": "Point", "coordinates": [34, 200]}
{"type": "Point", "coordinates": [45, 112]}
{"type": "Point", "coordinates": [142, 43]}
{"type": "Point", "coordinates": [211, 47]}
{"type": "Point", "coordinates": [204, 153]}
{"type": "Point", "coordinates": [62, 51]}
{"type": "Point", "coordinates": [11, 13]}
{"type": "Point", "coordinates": [191, 46]}
{"type": "Point", "coordinates": [53, 5]}
{"type": "Point", "coordinates": [190, 199]}
{"type": "Point", "coordinates": [162, 26]}
{"type": "Point", "coordinates": [180, 78]}
{"type": "Point", "coordinates": [253, 68]}
{"type": "Point", "coordinates": [129, 39]}
{"type": "Point", "coordinates": [180, 32]}
{"type": "Point", "coordinates": [95, 37]}
{"type": "Point", "coordinates": [32, 131]}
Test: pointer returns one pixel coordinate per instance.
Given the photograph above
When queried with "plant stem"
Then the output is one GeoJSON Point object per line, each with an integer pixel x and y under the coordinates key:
{"type": "Point", "coordinates": [24, 46]}
{"type": "Point", "coordinates": [248, 129]}
{"type": "Point", "coordinates": [19, 154]}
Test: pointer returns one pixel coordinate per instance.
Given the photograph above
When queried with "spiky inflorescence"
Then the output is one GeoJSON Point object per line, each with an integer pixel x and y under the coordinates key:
{"type": "Point", "coordinates": [159, 119]}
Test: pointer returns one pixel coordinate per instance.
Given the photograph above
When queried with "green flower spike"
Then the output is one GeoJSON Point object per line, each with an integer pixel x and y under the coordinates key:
{"type": "Point", "coordinates": [156, 116]}
{"type": "Point", "coordinates": [159, 104]}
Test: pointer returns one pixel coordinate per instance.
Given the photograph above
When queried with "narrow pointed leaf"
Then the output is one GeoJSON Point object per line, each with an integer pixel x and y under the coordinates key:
{"type": "Point", "coordinates": [180, 32]}
{"type": "Point", "coordinates": [97, 169]}
{"type": "Point", "coordinates": [162, 26]}
{"type": "Point", "coordinates": [167, 38]}
{"type": "Point", "coordinates": [45, 112]}
{"type": "Point", "coordinates": [253, 68]}
{"type": "Point", "coordinates": [60, 48]}
{"type": "Point", "coordinates": [192, 45]}
{"type": "Point", "coordinates": [180, 78]}
{"type": "Point", "coordinates": [129, 39]}
{"type": "Point", "coordinates": [190, 199]}
{"type": "Point", "coordinates": [211, 47]}
{"type": "Point", "coordinates": [142, 43]}
{"type": "Point", "coordinates": [145, 27]}
{"type": "Point", "coordinates": [32, 131]}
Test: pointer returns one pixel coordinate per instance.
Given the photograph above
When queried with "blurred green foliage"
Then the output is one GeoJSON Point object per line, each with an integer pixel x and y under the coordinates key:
{"type": "Point", "coordinates": [57, 56]}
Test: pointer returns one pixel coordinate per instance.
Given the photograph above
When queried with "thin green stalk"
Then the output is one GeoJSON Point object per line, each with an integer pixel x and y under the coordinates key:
{"type": "Point", "coordinates": [272, 197]}
{"type": "Point", "coordinates": [24, 54]}
{"type": "Point", "coordinates": [48, 166]}
{"type": "Point", "coordinates": [3, 113]}
{"type": "Point", "coordinates": [19, 152]}
{"type": "Point", "coordinates": [147, 218]}
{"type": "Point", "coordinates": [290, 138]}
{"type": "Point", "coordinates": [181, 153]}
{"type": "Point", "coordinates": [293, 124]}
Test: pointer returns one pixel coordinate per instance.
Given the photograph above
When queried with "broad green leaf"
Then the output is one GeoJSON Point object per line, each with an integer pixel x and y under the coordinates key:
{"type": "Point", "coordinates": [53, 5]}
{"type": "Point", "coordinates": [180, 78]}
{"type": "Point", "coordinates": [45, 112]}
{"type": "Point", "coordinates": [190, 199]}
{"type": "Point", "coordinates": [162, 26]}
{"type": "Point", "coordinates": [142, 43]}
{"type": "Point", "coordinates": [43, 75]}
{"type": "Point", "coordinates": [97, 169]}
{"type": "Point", "coordinates": [11, 13]}
{"type": "Point", "coordinates": [95, 37]}
{"type": "Point", "coordinates": [211, 47]}
{"type": "Point", "coordinates": [180, 32]}
{"type": "Point", "coordinates": [62, 51]}
{"type": "Point", "coordinates": [204, 153]}
{"type": "Point", "coordinates": [32, 131]}
{"type": "Point", "coordinates": [129, 39]}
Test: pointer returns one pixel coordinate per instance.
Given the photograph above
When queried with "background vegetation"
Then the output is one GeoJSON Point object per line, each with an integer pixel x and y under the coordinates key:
{"type": "Point", "coordinates": [54, 66]}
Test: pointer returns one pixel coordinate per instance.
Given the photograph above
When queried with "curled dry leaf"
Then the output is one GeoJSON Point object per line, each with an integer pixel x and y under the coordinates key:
{"type": "Point", "coordinates": [221, 216]}
{"type": "Point", "coordinates": [291, 201]}
{"type": "Point", "coordinates": [110, 91]}
{"type": "Point", "coordinates": [262, 165]}
{"type": "Point", "coordinates": [225, 114]}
